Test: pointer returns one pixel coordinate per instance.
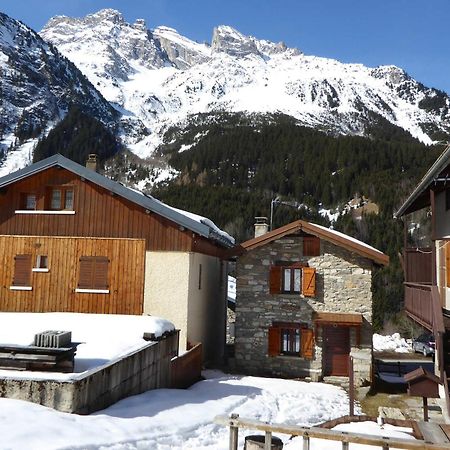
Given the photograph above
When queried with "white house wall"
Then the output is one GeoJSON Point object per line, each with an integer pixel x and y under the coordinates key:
{"type": "Point", "coordinates": [166, 288]}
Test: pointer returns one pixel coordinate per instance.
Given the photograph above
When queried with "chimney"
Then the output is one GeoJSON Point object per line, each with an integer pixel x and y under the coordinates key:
{"type": "Point", "coordinates": [261, 226]}
{"type": "Point", "coordinates": [92, 162]}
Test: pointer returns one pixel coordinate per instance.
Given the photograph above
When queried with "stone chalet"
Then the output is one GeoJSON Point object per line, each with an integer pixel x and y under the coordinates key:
{"type": "Point", "coordinates": [304, 303]}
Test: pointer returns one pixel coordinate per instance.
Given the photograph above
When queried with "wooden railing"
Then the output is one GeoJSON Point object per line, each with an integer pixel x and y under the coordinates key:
{"type": "Point", "coordinates": [234, 422]}
{"type": "Point", "coordinates": [418, 303]}
{"type": "Point", "coordinates": [187, 368]}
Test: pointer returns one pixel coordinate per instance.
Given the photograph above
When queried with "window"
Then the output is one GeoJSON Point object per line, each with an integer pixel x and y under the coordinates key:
{"type": "Point", "coordinates": [28, 201]}
{"type": "Point", "coordinates": [93, 274]}
{"type": "Point", "coordinates": [311, 246]}
{"type": "Point", "coordinates": [290, 339]}
{"type": "Point", "coordinates": [292, 279]}
{"type": "Point", "coordinates": [22, 272]}
{"type": "Point", "coordinates": [60, 198]}
{"type": "Point", "coordinates": [41, 264]}
{"type": "Point", "coordinates": [447, 199]}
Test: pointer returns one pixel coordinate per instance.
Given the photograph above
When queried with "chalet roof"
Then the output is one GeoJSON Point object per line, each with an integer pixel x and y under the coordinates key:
{"type": "Point", "coordinates": [419, 198]}
{"type": "Point", "coordinates": [335, 237]}
{"type": "Point", "coordinates": [200, 225]}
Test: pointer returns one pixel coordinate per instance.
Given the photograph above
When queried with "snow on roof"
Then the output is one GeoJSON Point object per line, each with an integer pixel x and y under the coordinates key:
{"type": "Point", "coordinates": [346, 236]}
{"type": "Point", "coordinates": [103, 337]}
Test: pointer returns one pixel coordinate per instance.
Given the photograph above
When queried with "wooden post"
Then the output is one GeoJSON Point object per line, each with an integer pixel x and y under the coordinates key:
{"type": "Point", "coordinates": [345, 446]}
{"type": "Point", "coordinates": [234, 433]}
{"type": "Point", "coordinates": [268, 441]}
{"type": "Point", "coordinates": [425, 409]}
{"type": "Point", "coordinates": [306, 442]}
{"type": "Point", "coordinates": [351, 386]}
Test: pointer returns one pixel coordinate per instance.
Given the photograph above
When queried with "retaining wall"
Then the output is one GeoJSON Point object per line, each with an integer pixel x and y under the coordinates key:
{"type": "Point", "coordinates": [145, 369]}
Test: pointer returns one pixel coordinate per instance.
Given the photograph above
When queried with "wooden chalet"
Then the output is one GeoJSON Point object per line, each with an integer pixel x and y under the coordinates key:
{"type": "Point", "coordinates": [74, 240]}
{"type": "Point", "coordinates": [427, 270]}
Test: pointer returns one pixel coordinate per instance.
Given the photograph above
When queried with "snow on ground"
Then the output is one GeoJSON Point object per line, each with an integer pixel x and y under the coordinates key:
{"type": "Point", "coordinates": [172, 419]}
{"type": "Point", "coordinates": [391, 343]}
{"type": "Point", "coordinates": [103, 337]}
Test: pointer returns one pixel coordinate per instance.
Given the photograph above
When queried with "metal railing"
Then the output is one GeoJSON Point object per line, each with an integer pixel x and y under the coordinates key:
{"type": "Point", "coordinates": [234, 422]}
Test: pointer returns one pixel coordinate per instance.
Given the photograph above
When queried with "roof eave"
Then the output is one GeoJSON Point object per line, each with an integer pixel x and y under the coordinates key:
{"type": "Point", "coordinates": [438, 166]}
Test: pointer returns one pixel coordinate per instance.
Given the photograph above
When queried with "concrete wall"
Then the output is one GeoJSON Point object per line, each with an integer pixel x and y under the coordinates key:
{"type": "Point", "coordinates": [343, 285]}
{"type": "Point", "coordinates": [166, 289]}
{"type": "Point", "coordinates": [189, 289]}
{"type": "Point", "coordinates": [442, 217]}
{"type": "Point", "coordinates": [142, 370]}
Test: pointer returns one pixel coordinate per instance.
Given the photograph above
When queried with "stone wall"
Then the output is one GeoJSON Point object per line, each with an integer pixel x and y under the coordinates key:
{"type": "Point", "coordinates": [343, 285]}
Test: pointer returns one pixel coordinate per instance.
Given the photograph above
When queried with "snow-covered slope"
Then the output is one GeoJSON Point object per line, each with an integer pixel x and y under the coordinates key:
{"type": "Point", "coordinates": [159, 79]}
{"type": "Point", "coordinates": [37, 86]}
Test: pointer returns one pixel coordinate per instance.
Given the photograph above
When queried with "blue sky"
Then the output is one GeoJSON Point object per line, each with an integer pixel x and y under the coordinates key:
{"type": "Point", "coordinates": [412, 34]}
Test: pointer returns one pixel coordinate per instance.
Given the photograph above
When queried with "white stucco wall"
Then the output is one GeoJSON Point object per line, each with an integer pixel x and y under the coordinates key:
{"type": "Point", "coordinates": [172, 291]}
{"type": "Point", "coordinates": [166, 288]}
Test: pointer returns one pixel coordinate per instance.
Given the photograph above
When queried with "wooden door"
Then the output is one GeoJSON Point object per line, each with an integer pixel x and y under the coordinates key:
{"type": "Point", "coordinates": [336, 350]}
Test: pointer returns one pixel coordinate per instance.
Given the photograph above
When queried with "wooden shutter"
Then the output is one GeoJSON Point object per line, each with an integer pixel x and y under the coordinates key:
{"type": "Point", "coordinates": [93, 272]}
{"type": "Point", "coordinates": [309, 282]}
{"type": "Point", "coordinates": [311, 246]}
{"type": "Point", "coordinates": [307, 343]}
{"type": "Point", "coordinates": [274, 341]}
{"type": "Point", "coordinates": [100, 280]}
{"type": "Point", "coordinates": [86, 272]}
{"type": "Point", "coordinates": [22, 270]}
{"type": "Point", "coordinates": [275, 279]}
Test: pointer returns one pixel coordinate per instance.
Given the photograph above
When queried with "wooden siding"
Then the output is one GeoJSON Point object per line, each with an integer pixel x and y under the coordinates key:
{"type": "Point", "coordinates": [98, 213]}
{"type": "Point", "coordinates": [55, 290]}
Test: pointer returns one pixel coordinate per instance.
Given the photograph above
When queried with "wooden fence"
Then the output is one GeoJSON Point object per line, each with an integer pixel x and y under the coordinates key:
{"type": "Point", "coordinates": [187, 368]}
{"type": "Point", "coordinates": [234, 422]}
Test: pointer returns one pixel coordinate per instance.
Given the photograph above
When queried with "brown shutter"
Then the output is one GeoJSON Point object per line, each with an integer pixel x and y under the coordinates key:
{"type": "Point", "coordinates": [22, 270]}
{"type": "Point", "coordinates": [307, 343]}
{"type": "Point", "coordinates": [311, 246]}
{"type": "Point", "coordinates": [275, 279]}
{"type": "Point", "coordinates": [100, 280]}
{"type": "Point", "coordinates": [309, 282]}
{"type": "Point", "coordinates": [274, 341]}
{"type": "Point", "coordinates": [93, 272]}
{"type": "Point", "coordinates": [85, 280]}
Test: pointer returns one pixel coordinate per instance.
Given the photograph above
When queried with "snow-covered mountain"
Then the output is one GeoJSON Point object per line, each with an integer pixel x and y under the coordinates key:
{"type": "Point", "coordinates": [158, 78]}
{"type": "Point", "coordinates": [37, 85]}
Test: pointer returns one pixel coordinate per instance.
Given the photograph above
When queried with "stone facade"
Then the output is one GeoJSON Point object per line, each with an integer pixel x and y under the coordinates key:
{"type": "Point", "coordinates": [343, 285]}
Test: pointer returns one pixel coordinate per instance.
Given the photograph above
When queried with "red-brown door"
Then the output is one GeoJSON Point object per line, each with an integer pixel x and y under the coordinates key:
{"type": "Point", "coordinates": [336, 348]}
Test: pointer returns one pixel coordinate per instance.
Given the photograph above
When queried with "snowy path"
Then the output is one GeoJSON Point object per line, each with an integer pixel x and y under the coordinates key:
{"type": "Point", "coordinates": [171, 419]}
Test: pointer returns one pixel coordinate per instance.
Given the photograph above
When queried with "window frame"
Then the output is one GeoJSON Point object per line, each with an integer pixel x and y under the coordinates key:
{"type": "Point", "coordinates": [297, 348]}
{"type": "Point", "coordinates": [41, 264]}
{"type": "Point", "coordinates": [292, 285]}
{"type": "Point", "coordinates": [307, 279]}
{"type": "Point", "coordinates": [63, 198]}
{"type": "Point", "coordinates": [24, 201]}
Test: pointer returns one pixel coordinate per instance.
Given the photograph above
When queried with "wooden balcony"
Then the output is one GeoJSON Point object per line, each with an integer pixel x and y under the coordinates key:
{"type": "Point", "coordinates": [418, 303]}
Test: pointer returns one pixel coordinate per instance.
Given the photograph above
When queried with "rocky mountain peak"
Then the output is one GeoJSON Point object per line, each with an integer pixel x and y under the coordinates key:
{"type": "Point", "coordinates": [228, 40]}
{"type": "Point", "coordinates": [107, 14]}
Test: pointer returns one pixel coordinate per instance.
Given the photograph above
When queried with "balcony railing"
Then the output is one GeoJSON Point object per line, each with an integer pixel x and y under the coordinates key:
{"type": "Point", "coordinates": [418, 303]}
